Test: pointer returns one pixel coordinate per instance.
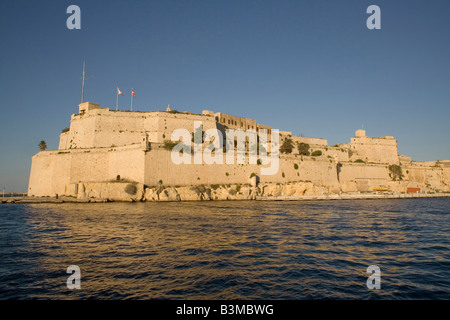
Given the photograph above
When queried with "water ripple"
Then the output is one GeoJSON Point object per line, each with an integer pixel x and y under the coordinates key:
{"type": "Point", "coordinates": [227, 250]}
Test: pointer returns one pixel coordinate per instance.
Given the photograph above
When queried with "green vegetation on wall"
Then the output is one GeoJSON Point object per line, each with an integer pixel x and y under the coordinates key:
{"type": "Point", "coordinates": [287, 146]}
{"type": "Point", "coordinates": [303, 149]}
{"type": "Point", "coordinates": [396, 172]}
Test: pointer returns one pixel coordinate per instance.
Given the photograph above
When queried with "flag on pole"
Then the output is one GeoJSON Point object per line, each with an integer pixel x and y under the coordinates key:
{"type": "Point", "coordinates": [119, 92]}
{"type": "Point", "coordinates": [132, 95]}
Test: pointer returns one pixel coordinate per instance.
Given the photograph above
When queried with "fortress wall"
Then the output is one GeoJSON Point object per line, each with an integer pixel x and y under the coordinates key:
{"type": "Point", "coordinates": [340, 153]}
{"type": "Point", "coordinates": [89, 166]}
{"type": "Point", "coordinates": [159, 166]}
{"type": "Point", "coordinates": [314, 169]}
{"type": "Point", "coordinates": [81, 133]}
{"type": "Point", "coordinates": [101, 128]}
{"type": "Point", "coordinates": [354, 175]}
{"type": "Point", "coordinates": [151, 125]}
{"type": "Point", "coordinates": [322, 172]}
{"type": "Point", "coordinates": [446, 179]}
{"type": "Point", "coordinates": [425, 178]}
{"type": "Point", "coordinates": [52, 171]}
{"type": "Point", "coordinates": [169, 122]}
{"type": "Point", "coordinates": [64, 140]}
{"type": "Point", "coordinates": [106, 165]}
{"type": "Point", "coordinates": [118, 128]}
{"type": "Point", "coordinates": [378, 150]}
{"type": "Point", "coordinates": [354, 171]}
{"type": "Point", "coordinates": [310, 141]}
{"type": "Point", "coordinates": [415, 173]}
{"type": "Point", "coordinates": [49, 173]}
{"type": "Point", "coordinates": [129, 164]}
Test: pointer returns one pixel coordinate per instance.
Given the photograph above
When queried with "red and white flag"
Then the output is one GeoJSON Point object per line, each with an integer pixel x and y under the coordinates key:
{"type": "Point", "coordinates": [132, 93]}
{"type": "Point", "coordinates": [119, 92]}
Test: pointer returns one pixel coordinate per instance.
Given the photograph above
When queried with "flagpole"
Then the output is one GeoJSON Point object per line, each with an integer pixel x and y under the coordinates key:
{"type": "Point", "coordinates": [131, 99]}
{"type": "Point", "coordinates": [82, 87]}
{"type": "Point", "coordinates": [117, 99]}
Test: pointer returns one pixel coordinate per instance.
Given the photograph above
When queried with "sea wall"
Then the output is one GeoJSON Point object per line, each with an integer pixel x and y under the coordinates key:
{"type": "Point", "coordinates": [51, 171]}
{"type": "Point", "coordinates": [159, 167]}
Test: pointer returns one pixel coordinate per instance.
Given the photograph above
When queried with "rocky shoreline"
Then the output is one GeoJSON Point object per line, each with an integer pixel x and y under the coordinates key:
{"type": "Point", "coordinates": [37, 200]}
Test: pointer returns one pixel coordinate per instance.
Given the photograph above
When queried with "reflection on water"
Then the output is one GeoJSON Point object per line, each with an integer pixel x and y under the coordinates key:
{"type": "Point", "coordinates": [227, 250]}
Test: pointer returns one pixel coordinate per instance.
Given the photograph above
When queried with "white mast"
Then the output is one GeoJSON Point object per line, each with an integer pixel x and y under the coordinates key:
{"type": "Point", "coordinates": [117, 99]}
{"type": "Point", "coordinates": [82, 87]}
{"type": "Point", "coordinates": [82, 84]}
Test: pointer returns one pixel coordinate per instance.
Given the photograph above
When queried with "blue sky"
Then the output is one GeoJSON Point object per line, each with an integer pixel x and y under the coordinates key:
{"type": "Point", "coordinates": [310, 67]}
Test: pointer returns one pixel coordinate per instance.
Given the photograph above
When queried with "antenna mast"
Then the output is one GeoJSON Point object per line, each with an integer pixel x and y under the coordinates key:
{"type": "Point", "coordinates": [83, 79]}
{"type": "Point", "coordinates": [82, 87]}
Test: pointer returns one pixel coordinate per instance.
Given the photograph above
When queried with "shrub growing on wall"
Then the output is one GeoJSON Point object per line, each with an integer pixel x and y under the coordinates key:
{"type": "Point", "coordinates": [169, 145]}
{"type": "Point", "coordinates": [287, 146]}
{"type": "Point", "coordinates": [396, 172]}
{"type": "Point", "coordinates": [316, 153]}
{"type": "Point", "coordinates": [303, 149]}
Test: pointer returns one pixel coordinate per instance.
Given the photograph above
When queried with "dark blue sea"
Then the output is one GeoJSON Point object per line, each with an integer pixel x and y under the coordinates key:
{"type": "Point", "coordinates": [227, 250]}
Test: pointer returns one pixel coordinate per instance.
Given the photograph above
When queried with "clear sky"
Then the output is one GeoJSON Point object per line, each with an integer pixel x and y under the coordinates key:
{"type": "Point", "coordinates": [311, 67]}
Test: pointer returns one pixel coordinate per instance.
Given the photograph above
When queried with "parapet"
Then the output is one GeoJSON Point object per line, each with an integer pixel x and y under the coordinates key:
{"type": "Point", "coordinates": [208, 113]}
{"type": "Point", "coordinates": [360, 133]}
{"type": "Point", "coordinates": [86, 106]}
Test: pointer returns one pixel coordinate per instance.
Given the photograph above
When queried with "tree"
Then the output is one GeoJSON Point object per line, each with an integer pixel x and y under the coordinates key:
{"type": "Point", "coordinates": [303, 149]}
{"type": "Point", "coordinates": [396, 172]}
{"type": "Point", "coordinates": [42, 145]}
{"type": "Point", "coordinates": [287, 146]}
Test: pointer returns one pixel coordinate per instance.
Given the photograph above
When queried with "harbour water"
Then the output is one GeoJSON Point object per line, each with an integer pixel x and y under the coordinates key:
{"type": "Point", "coordinates": [227, 249]}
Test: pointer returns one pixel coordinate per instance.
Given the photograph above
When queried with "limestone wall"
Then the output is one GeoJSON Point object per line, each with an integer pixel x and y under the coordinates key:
{"type": "Point", "coordinates": [51, 171]}
{"type": "Point", "coordinates": [64, 140]}
{"type": "Point", "coordinates": [377, 150]}
{"type": "Point", "coordinates": [427, 178]}
{"type": "Point", "coordinates": [311, 141]}
{"type": "Point", "coordinates": [102, 128]}
{"type": "Point", "coordinates": [159, 166]}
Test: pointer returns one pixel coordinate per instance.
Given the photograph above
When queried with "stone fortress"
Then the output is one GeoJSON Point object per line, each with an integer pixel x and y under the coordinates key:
{"type": "Point", "coordinates": [123, 155]}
